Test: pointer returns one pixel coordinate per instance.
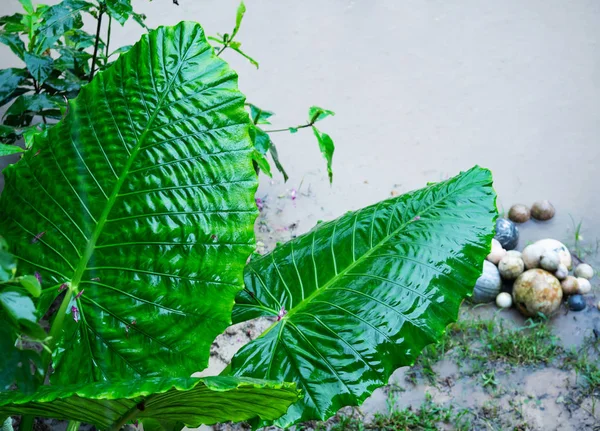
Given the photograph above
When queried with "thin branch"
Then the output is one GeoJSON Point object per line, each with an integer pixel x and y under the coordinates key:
{"type": "Point", "coordinates": [98, 28]}
{"type": "Point", "coordinates": [108, 36]}
{"type": "Point", "coordinates": [287, 129]}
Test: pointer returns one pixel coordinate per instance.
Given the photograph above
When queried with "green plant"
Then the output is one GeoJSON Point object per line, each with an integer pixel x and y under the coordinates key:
{"type": "Point", "coordinates": [137, 210]}
{"type": "Point", "coordinates": [59, 57]}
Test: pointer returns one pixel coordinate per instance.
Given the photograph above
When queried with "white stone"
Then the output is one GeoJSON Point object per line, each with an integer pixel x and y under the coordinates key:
{"type": "Point", "coordinates": [557, 246]}
{"type": "Point", "coordinates": [584, 285]}
{"type": "Point", "coordinates": [531, 256]}
{"type": "Point", "coordinates": [584, 271]}
{"type": "Point", "coordinates": [514, 253]}
{"type": "Point", "coordinates": [549, 260]}
{"type": "Point", "coordinates": [562, 272]}
{"type": "Point", "coordinates": [497, 252]}
{"type": "Point", "coordinates": [504, 300]}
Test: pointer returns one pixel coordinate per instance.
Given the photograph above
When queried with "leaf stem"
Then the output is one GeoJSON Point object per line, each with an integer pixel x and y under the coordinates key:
{"type": "Point", "coordinates": [97, 43]}
{"type": "Point", "coordinates": [55, 331]}
{"type": "Point", "coordinates": [287, 129]}
{"type": "Point", "coordinates": [26, 423]}
{"type": "Point", "coordinates": [73, 425]}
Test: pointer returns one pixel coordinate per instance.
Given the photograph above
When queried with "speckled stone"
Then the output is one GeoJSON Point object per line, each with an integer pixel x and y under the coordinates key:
{"type": "Point", "coordinates": [537, 291]}
{"type": "Point", "coordinates": [510, 267]}
{"type": "Point", "coordinates": [557, 246]}
{"type": "Point", "coordinates": [519, 213]}
{"type": "Point", "coordinates": [507, 233]}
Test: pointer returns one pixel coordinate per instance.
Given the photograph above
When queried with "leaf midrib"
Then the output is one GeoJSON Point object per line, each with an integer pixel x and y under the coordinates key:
{"type": "Point", "coordinates": [342, 273]}
{"type": "Point", "coordinates": [91, 245]}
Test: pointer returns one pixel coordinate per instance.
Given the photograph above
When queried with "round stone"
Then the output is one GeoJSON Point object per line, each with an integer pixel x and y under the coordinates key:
{"type": "Point", "coordinates": [576, 302]}
{"type": "Point", "coordinates": [514, 253]}
{"type": "Point", "coordinates": [519, 213]}
{"type": "Point", "coordinates": [488, 285]}
{"type": "Point", "coordinates": [510, 267]}
{"type": "Point", "coordinates": [557, 246]}
{"type": "Point", "coordinates": [532, 255]}
{"type": "Point", "coordinates": [570, 285]}
{"type": "Point", "coordinates": [584, 285]}
{"type": "Point", "coordinates": [537, 291]}
{"type": "Point", "coordinates": [584, 270]}
{"type": "Point", "coordinates": [542, 210]}
{"type": "Point", "coordinates": [507, 233]}
{"type": "Point", "coordinates": [561, 272]}
{"type": "Point", "coordinates": [549, 260]}
{"type": "Point", "coordinates": [504, 300]}
{"type": "Point", "coordinates": [497, 252]}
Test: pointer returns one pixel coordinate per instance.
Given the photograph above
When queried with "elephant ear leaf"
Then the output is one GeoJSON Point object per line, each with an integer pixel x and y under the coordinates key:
{"type": "Point", "coordinates": [156, 402]}
{"type": "Point", "coordinates": [139, 205]}
{"type": "Point", "coordinates": [358, 297]}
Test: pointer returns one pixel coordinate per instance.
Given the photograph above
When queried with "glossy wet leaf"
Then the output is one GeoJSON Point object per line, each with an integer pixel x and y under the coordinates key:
{"type": "Point", "coordinates": [10, 80]}
{"type": "Point", "coordinates": [360, 296]}
{"type": "Point", "coordinates": [192, 401]}
{"type": "Point", "coordinates": [57, 20]}
{"type": "Point", "coordinates": [28, 105]}
{"type": "Point", "coordinates": [327, 148]}
{"type": "Point", "coordinates": [14, 42]}
{"type": "Point", "coordinates": [7, 150]}
{"type": "Point", "coordinates": [258, 115]}
{"type": "Point", "coordinates": [140, 203]}
{"type": "Point", "coordinates": [119, 9]}
{"type": "Point", "coordinates": [31, 284]}
{"type": "Point", "coordinates": [17, 309]}
{"type": "Point", "coordinates": [8, 263]}
{"type": "Point", "coordinates": [40, 66]}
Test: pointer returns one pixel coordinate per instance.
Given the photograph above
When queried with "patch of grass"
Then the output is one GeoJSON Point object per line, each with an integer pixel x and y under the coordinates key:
{"type": "Point", "coordinates": [528, 345]}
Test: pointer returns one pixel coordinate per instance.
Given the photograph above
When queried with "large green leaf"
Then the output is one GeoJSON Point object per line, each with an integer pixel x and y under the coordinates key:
{"type": "Point", "coordinates": [140, 205]}
{"type": "Point", "coordinates": [191, 401]}
{"type": "Point", "coordinates": [360, 296]}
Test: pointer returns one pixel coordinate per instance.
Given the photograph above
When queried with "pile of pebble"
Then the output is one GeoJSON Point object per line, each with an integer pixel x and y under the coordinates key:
{"type": "Point", "coordinates": [540, 274]}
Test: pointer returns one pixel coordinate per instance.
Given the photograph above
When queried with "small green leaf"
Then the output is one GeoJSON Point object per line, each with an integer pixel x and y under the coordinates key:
{"type": "Point", "coordinates": [14, 42]}
{"type": "Point", "coordinates": [239, 16]}
{"type": "Point", "coordinates": [33, 104]}
{"type": "Point", "coordinates": [40, 66]}
{"type": "Point", "coordinates": [194, 401]}
{"type": "Point", "coordinates": [262, 162]}
{"type": "Point", "coordinates": [31, 284]}
{"type": "Point", "coordinates": [317, 114]}
{"type": "Point", "coordinates": [8, 263]}
{"type": "Point", "coordinates": [260, 140]}
{"type": "Point", "coordinates": [258, 115]}
{"type": "Point", "coordinates": [20, 310]}
{"type": "Point", "coordinates": [7, 150]}
{"type": "Point", "coordinates": [275, 156]}
{"type": "Point", "coordinates": [121, 50]}
{"type": "Point", "coordinates": [27, 6]}
{"type": "Point", "coordinates": [10, 80]}
{"type": "Point", "coordinates": [293, 130]}
{"type": "Point", "coordinates": [57, 20]}
{"type": "Point", "coordinates": [327, 148]}
{"type": "Point", "coordinates": [246, 56]}
{"type": "Point", "coordinates": [119, 9]}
